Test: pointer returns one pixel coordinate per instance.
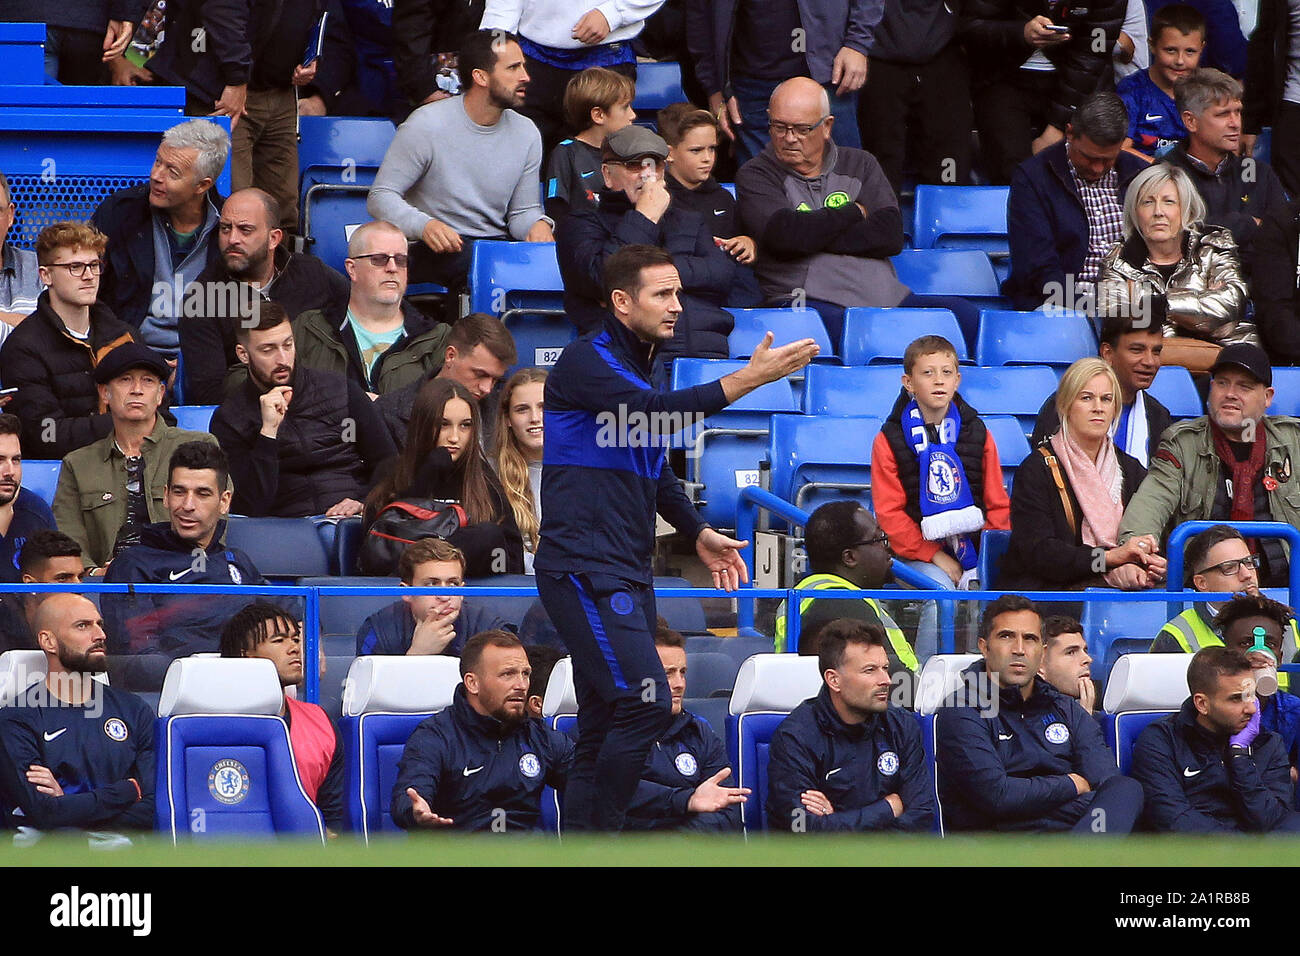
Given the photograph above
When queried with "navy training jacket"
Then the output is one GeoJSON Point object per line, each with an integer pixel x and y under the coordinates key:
{"type": "Point", "coordinates": [601, 486]}
{"type": "Point", "coordinates": [469, 766]}
{"type": "Point", "coordinates": [856, 767]}
{"type": "Point", "coordinates": [683, 758]}
{"type": "Point", "coordinates": [1192, 784]}
{"type": "Point", "coordinates": [390, 630]}
{"type": "Point", "coordinates": [1008, 771]}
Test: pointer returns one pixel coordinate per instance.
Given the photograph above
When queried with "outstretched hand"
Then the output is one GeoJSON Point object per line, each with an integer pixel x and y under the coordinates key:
{"type": "Point", "coordinates": [721, 555]}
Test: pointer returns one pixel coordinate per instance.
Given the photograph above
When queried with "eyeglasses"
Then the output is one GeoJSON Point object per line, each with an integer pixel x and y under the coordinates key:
{"type": "Point", "coordinates": [78, 269]}
{"type": "Point", "coordinates": [380, 259]}
{"type": "Point", "coordinates": [882, 538]}
{"type": "Point", "coordinates": [801, 130]}
{"type": "Point", "coordinates": [636, 165]}
{"type": "Point", "coordinates": [1229, 568]}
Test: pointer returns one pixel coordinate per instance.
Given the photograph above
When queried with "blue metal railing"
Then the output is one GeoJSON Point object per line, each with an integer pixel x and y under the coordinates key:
{"type": "Point", "coordinates": [1249, 529]}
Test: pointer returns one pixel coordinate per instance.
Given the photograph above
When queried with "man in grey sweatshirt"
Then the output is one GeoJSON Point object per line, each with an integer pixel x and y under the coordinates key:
{"type": "Point", "coordinates": [465, 168]}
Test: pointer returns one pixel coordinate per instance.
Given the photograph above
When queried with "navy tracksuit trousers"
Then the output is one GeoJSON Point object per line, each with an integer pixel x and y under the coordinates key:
{"type": "Point", "coordinates": [608, 623]}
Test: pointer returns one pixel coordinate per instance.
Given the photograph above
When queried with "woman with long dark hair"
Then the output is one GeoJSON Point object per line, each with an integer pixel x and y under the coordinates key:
{"type": "Point", "coordinates": [443, 460]}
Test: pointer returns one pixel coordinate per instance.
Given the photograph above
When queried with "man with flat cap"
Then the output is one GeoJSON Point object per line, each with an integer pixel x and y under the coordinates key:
{"type": "Point", "coordinates": [110, 489]}
{"type": "Point", "coordinates": [636, 208]}
{"type": "Point", "coordinates": [1234, 464]}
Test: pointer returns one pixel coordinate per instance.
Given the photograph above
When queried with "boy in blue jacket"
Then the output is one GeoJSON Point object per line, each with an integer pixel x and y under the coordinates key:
{"type": "Point", "coordinates": [1014, 753]}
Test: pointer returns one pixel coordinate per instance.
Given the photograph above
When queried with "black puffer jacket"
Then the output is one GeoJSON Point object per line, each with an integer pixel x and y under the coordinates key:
{"type": "Point", "coordinates": [52, 371]}
{"type": "Point", "coordinates": [995, 43]}
{"type": "Point", "coordinates": [1275, 283]}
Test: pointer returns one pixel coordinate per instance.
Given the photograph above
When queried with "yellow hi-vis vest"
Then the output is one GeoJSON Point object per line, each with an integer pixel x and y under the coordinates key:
{"type": "Point", "coordinates": [833, 582]}
{"type": "Point", "coordinates": [1192, 633]}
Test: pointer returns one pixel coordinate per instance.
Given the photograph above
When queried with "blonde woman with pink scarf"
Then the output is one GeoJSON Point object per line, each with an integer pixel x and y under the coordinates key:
{"type": "Point", "coordinates": [1069, 496]}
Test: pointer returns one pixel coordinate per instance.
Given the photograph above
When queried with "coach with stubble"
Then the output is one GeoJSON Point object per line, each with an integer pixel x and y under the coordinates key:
{"type": "Point", "coordinates": [599, 500]}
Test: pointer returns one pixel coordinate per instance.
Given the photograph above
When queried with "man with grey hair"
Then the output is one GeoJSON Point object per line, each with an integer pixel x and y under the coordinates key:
{"type": "Point", "coordinates": [254, 264]}
{"type": "Point", "coordinates": [161, 234]}
{"type": "Point", "coordinates": [20, 281]}
{"type": "Point", "coordinates": [1065, 209]}
{"type": "Point", "coordinates": [372, 336]}
{"type": "Point", "coordinates": [1238, 192]}
{"type": "Point", "coordinates": [824, 216]}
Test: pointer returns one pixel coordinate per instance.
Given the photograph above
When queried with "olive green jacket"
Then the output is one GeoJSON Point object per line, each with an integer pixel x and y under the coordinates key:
{"type": "Point", "coordinates": [1182, 479]}
{"type": "Point", "coordinates": [90, 501]}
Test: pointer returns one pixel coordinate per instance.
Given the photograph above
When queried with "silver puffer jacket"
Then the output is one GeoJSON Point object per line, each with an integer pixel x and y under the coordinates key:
{"type": "Point", "coordinates": [1204, 299]}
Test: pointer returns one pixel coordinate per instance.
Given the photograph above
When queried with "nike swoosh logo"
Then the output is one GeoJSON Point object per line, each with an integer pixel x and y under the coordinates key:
{"type": "Point", "coordinates": [592, 173]}
{"type": "Point", "coordinates": [719, 212]}
{"type": "Point", "coordinates": [1189, 772]}
{"type": "Point", "coordinates": [836, 770]}
{"type": "Point", "coordinates": [1005, 736]}
{"type": "Point", "coordinates": [467, 772]}
{"type": "Point", "coordinates": [1152, 119]}
{"type": "Point", "coordinates": [51, 736]}
{"type": "Point", "coordinates": [179, 574]}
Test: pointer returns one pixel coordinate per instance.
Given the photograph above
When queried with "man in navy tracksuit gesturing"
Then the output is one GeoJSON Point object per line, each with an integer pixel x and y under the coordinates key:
{"type": "Point", "coordinates": [846, 760]}
{"type": "Point", "coordinates": [1014, 753]}
{"type": "Point", "coordinates": [604, 476]}
{"type": "Point", "coordinates": [481, 763]}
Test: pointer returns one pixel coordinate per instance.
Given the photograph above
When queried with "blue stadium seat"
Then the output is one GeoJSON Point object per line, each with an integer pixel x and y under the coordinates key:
{"type": "Point", "coordinates": [883, 335]}
{"type": "Point", "coordinates": [1286, 391]}
{"type": "Point", "coordinates": [1033, 338]}
{"type": "Point", "coordinates": [1114, 628]}
{"type": "Point", "coordinates": [1013, 447]}
{"type": "Point", "coordinates": [684, 614]}
{"type": "Point", "coordinates": [505, 276]}
{"type": "Point", "coordinates": [1018, 390]}
{"type": "Point", "coordinates": [739, 649]}
{"type": "Point", "coordinates": [344, 615]}
{"type": "Point", "coordinates": [338, 157]}
{"type": "Point", "coordinates": [710, 672]}
{"type": "Point", "coordinates": [512, 608]}
{"type": "Point", "coordinates": [993, 547]}
{"type": "Point", "coordinates": [1174, 389]}
{"type": "Point", "coordinates": [961, 217]}
{"type": "Point", "coordinates": [940, 677]}
{"type": "Point", "coordinates": [851, 391]}
{"type": "Point", "coordinates": [41, 477]}
{"type": "Point", "coordinates": [657, 85]}
{"type": "Point", "coordinates": [385, 699]}
{"type": "Point", "coordinates": [1141, 688]}
{"type": "Point", "coordinates": [963, 272]}
{"type": "Point", "coordinates": [560, 711]}
{"type": "Point", "coordinates": [724, 449]}
{"type": "Point", "coordinates": [225, 763]}
{"type": "Point", "coordinates": [729, 187]}
{"type": "Point", "coordinates": [281, 548]}
{"type": "Point", "coordinates": [712, 710]}
{"type": "Point", "coordinates": [195, 418]}
{"type": "Point", "coordinates": [768, 687]}
{"type": "Point", "coordinates": [821, 458]}
{"type": "Point", "coordinates": [786, 325]}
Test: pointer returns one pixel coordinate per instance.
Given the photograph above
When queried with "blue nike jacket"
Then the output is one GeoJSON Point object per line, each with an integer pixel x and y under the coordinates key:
{"type": "Point", "coordinates": [682, 759]}
{"type": "Point", "coordinates": [391, 629]}
{"type": "Point", "coordinates": [1194, 784]}
{"type": "Point", "coordinates": [855, 766]}
{"type": "Point", "coordinates": [604, 468]}
{"type": "Point", "coordinates": [479, 773]}
{"type": "Point", "coordinates": [1007, 769]}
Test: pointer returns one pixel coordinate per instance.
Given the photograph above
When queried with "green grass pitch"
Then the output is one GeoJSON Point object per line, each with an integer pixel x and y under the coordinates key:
{"type": "Point", "coordinates": [677, 850]}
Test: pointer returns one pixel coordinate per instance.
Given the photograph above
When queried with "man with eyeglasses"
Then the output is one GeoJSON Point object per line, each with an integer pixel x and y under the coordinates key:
{"type": "Point", "coordinates": [636, 208]}
{"type": "Point", "coordinates": [50, 356]}
{"type": "Point", "coordinates": [847, 551]}
{"type": "Point", "coordinates": [373, 336]}
{"type": "Point", "coordinates": [254, 263]}
{"type": "Point", "coordinates": [1218, 560]}
{"type": "Point", "coordinates": [824, 216]}
{"type": "Point", "coordinates": [1234, 464]}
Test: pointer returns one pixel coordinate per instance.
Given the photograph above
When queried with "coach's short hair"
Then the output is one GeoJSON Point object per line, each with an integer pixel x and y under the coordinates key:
{"type": "Point", "coordinates": [261, 315]}
{"type": "Point", "coordinates": [201, 456]}
{"type": "Point", "coordinates": [472, 655]}
{"type": "Point", "coordinates": [624, 270]}
{"type": "Point", "coordinates": [836, 636]}
{"type": "Point", "coordinates": [1211, 663]}
{"type": "Point", "coordinates": [1006, 604]}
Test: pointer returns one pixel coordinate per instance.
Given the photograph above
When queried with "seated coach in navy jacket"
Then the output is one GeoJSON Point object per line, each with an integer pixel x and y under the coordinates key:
{"type": "Point", "coordinates": [1014, 753]}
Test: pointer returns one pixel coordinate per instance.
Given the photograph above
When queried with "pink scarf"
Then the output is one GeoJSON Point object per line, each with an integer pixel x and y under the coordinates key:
{"type": "Point", "coordinates": [1097, 485]}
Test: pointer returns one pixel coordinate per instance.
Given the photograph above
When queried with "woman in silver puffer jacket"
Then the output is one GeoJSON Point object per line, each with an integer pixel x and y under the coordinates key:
{"type": "Point", "coordinates": [1173, 267]}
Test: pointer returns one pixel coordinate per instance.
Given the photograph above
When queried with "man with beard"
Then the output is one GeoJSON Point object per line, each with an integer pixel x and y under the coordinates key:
{"type": "Point", "coordinates": [21, 511]}
{"type": "Point", "coordinates": [48, 557]}
{"type": "Point", "coordinates": [148, 631]}
{"type": "Point", "coordinates": [253, 261]}
{"type": "Point", "coordinates": [110, 489]}
{"type": "Point", "coordinates": [481, 764]}
{"type": "Point", "coordinates": [466, 168]}
{"type": "Point", "coordinates": [75, 753]}
{"type": "Point", "coordinates": [301, 441]}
